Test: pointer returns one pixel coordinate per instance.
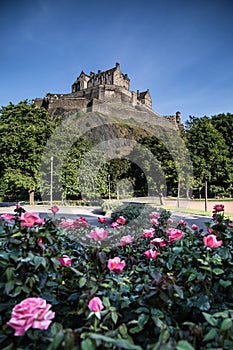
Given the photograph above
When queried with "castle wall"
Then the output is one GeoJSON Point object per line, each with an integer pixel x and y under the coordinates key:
{"type": "Point", "coordinates": [120, 79]}
{"type": "Point", "coordinates": [66, 104]}
{"type": "Point", "coordinates": [148, 101]}
{"type": "Point", "coordinates": [90, 91]}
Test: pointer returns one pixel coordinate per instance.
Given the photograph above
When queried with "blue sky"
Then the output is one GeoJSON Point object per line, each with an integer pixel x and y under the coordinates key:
{"type": "Point", "coordinates": [181, 50]}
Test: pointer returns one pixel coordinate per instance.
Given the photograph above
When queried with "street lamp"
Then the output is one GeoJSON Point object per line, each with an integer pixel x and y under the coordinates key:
{"type": "Point", "coordinates": [51, 181]}
{"type": "Point", "coordinates": [109, 187]}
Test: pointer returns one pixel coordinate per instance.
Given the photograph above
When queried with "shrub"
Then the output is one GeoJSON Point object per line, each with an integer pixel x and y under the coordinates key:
{"type": "Point", "coordinates": [165, 289]}
{"type": "Point", "coordinates": [109, 205]}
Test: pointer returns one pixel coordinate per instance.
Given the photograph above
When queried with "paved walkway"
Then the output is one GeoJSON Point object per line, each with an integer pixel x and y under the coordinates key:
{"type": "Point", "coordinates": [92, 213]}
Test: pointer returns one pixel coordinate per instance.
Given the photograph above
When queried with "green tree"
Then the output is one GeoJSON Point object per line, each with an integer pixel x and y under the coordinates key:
{"type": "Point", "coordinates": [209, 154]}
{"type": "Point", "coordinates": [24, 130]}
{"type": "Point", "coordinates": [224, 124]}
{"type": "Point", "coordinates": [117, 170]}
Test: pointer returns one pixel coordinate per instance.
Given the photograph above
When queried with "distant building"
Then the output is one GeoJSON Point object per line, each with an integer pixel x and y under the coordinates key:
{"type": "Point", "coordinates": [89, 92]}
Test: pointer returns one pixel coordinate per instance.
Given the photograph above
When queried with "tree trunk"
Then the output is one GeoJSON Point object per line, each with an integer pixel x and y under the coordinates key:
{"type": "Point", "coordinates": [161, 198]}
{"type": "Point", "coordinates": [31, 197]}
{"type": "Point", "coordinates": [178, 194]}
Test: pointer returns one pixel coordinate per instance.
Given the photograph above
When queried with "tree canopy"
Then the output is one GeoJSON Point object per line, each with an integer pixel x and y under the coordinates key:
{"type": "Point", "coordinates": [30, 137]}
{"type": "Point", "coordinates": [210, 156]}
{"type": "Point", "coordinates": [24, 131]}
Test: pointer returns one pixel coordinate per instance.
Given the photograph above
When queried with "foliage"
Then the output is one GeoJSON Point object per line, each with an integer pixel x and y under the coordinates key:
{"type": "Point", "coordinates": [109, 205]}
{"type": "Point", "coordinates": [181, 299]}
{"type": "Point", "coordinates": [164, 156]}
{"type": "Point", "coordinates": [132, 211]}
{"type": "Point", "coordinates": [224, 124]}
{"type": "Point", "coordinates": [210, 156]}
{"type": "Point", "coordinates": [81, 167]}
{"type": "Point", "coordinates": [24, 130]}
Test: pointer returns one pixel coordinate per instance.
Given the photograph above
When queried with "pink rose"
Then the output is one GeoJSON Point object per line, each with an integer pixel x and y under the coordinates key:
{"type": "Point", "coordinates": [31, 219]}
{"type": "Point", "coordinates": [95, 304]}
{"type": "Point", "coordinates": [211, 241]}
{"type": "Point", "coordinates": [65, 260]}
{"type": "Point", "coordinates": [121, 220]}
{"type": "Point", "coordinates": [54, 209]}
{"type": "Point", "coordinates": [160, 241]}
{"type": "Point", "coordinates": [154, 222]}
{"type": "Point", "coordinates": [169, 221]}
{"type": "Point", "coordinates": [115, 225]}
{"type": "Point", "coordinates": [155, 215]}
{"type": "Point", "coordinates": [148, 233]}
{"type": "Point", "coordinates": [231, 224]}
{"type": "Point", "coordinates": [210, 230]}
{"type": "Point", "coordinates": [126, 240]}
{"type": "Point", "coordinates": [81, 219]}
{"type": "Point", "coordinates": [151, 254]}
{"type": "Point", "coordinates": [8, 217]}
{"type": "Point", "coordinates": [98, 234]}
{"type": "Point", "coordinates": [218, 207]}
{"type": "Point", "coordinates": [67, 224]}
{"type": "Point", "coordinates": [73, 224]}
{"type": "Point", "coordinates": [102, 220]}
{"type": "Point", "coordinates": [174, 234]}
{"type": "Point", "coordinates": [182, 222]}
{"type": "Point", "coordinates": [30, 313]}
{"type": "Point", "coordinates": [80, 222]}
{"type": "Point", "coordinates": [194, 227]}
{"type": "Point", "coordinates": [116, 265]}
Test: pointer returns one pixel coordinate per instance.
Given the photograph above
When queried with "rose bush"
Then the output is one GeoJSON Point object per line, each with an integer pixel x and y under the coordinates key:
{"type": "Point", "coordinates": [171, 290]}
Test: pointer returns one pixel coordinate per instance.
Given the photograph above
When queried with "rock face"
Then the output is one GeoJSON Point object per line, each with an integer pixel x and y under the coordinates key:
{"type": "Point", "coordinates": [90, 92]}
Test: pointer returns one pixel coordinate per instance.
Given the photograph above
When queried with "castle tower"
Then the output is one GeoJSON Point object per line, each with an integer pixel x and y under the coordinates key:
{"type": "Point", "coordinates": [81, 82]}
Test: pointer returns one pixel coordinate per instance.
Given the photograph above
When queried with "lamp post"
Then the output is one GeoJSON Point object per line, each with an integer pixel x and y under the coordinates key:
{"type": "Point", "coordinates": [109, 187]}
{"type": "Point", "coordinates": [51, 181]}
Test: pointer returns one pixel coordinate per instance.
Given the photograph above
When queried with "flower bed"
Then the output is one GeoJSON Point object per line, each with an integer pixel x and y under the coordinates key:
{"type": "Point", "coordinates": [140, 283]}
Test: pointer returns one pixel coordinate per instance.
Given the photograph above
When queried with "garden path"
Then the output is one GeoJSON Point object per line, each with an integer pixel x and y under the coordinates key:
{"type": "Point", "coordinates": [92, 213]}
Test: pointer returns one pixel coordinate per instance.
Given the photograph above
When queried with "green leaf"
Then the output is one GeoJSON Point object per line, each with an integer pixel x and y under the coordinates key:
{"type": "Point", "coordinates": [202, 303]}
{"type": "Point", "coordinates": [164, 335]}
{"type": "Point", "coordinates": [9, 347]}
{"type": "Point", "coordinates": [223, 314]}
{"type": "Point", "coordinates": [9, 286]}
{"type": "Point", "coordinates": [82, 282]}
{"type": "Point", "coordinates": [88, 344]}
{"type": "Point", "coordinates": [192, 277]}
{"type": "Point", "coordinates": [177, 250]}
{"type": "Point", "coordinates": [106, 302]}
{"type": "Point", "coordinates": [141, 309]}
{"type": "Point", "coordinates": [114, 317]}
{"type": "Point", "coordinates": [184, 345]}
{"type": "Point", "coordinates": [121, 343]}
{"type": "Point", "coordinates": [217, 271]}
{"type": "Point", "coordinates": [10, 271]}
{"type": "Point", "coordinates": [207, 268]}
{"type": "Point", "coordinates": [58, 333]}
{"type": "Point", "coordinates": [142, 320]}
{"type": "Point", "coordinates": [225, 284]}
{"type": "Point", "coordinates": [211, 334]}
{"type": "Point", "coordinates": [78, 273]}
{"type": "Point", "coordinates": [226, 324]}
{"type": "Point", "coordinates": [210, 319]}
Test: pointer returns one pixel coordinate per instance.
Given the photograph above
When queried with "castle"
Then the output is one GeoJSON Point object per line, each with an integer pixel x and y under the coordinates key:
{"type": "Point", "coordinates": [90, 92]}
